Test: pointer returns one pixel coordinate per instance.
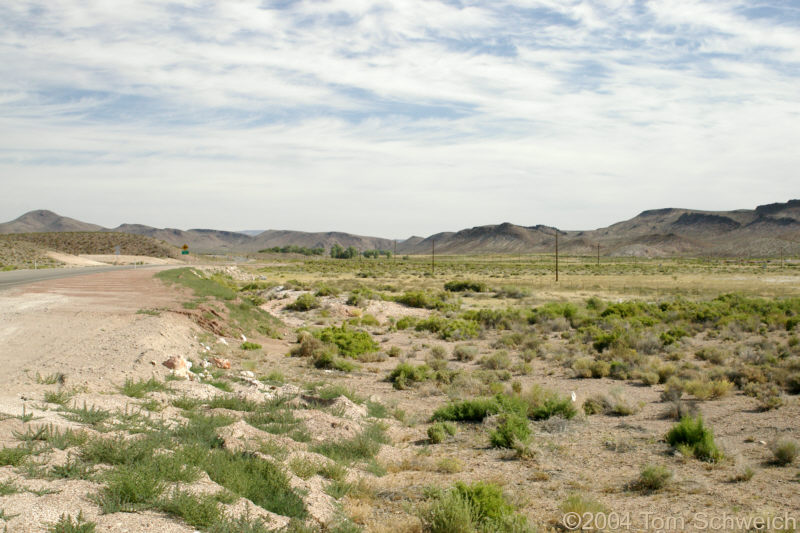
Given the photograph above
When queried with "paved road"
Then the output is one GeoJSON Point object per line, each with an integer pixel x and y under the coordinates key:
{"type": "Point", "coordinates": [15, 278]}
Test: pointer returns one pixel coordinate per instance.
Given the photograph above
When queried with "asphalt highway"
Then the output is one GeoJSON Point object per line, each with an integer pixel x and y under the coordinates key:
{"type": "Point", "coordinates": [15, 278]}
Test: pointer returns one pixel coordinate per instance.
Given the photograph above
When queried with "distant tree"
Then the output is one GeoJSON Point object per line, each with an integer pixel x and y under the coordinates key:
{"type": "Point", "coordinates": [337, 251]}
{"type": "Point", "coordinates": [373, 254]}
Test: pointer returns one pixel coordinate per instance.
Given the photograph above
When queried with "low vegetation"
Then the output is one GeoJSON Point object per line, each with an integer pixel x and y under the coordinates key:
{"type": "Point", "coordinates": [691, 437]}
{"type": "Point", "coordinates": [472, 507]}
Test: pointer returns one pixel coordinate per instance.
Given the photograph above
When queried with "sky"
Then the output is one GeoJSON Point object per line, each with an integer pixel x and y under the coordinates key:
{"type": "Point", "coordinates": [395, 118]}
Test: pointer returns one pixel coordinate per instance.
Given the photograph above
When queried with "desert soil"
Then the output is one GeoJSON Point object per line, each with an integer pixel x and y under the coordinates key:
{"type": "Point", "coordinates": [89, 329]}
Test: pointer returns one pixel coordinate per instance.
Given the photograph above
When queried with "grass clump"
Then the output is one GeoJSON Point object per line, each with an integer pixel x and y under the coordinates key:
{"type": "Point", "coordinates": [9, 487]}
{"type": "Point", "coordinates": [304, 302]}
{"type": "Point", "coordinates": [581, 504]}
{"type": "Point", "coordinates": [66, 524]}
{"type": "Point", "coordinates": [199, 284]}
{"type": "Point", "coordinates": [200, 511]}
{"type": "Point", "coordinates": [439, 431]}
{"type": "Point", "coordinates": [362, 447]}
{"type": "Point", "coordinates": [74, 468]}
{"type": "Point", "coordinates": [137, 389]}
{"type": "Point", "coordinates": [691, 436]}
{"type": "Point", "coordinates": [262, 482]}
{"type": "Point", "coordinates": [404, 375]}
{"type": "Point", "coordinates": [57, 378]}
{"type": "Point", "coordinates": [249, 346]}
{"type": "Point", "coordinates": [93, 416]}
{"type": "Point", "coordinates": [129, 488]}
{"type": "Point", "coordinates": [472, 508]}
{"type": "Point", "coordinates": [785, 451]}
{"type": "Point", "coordinates": [652, 478]}
{"type": "Point", "coordinates": [15, 456]}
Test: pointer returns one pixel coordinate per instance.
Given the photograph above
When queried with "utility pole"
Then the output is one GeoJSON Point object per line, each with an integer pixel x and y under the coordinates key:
{"type": "Point", "coordinates": [556, 255]}
{"type": "Point", "coordinates": [598, 254]}
{"type": "Point", "coordinates": [433, 257]}
{"type": "Point", "coordinates": [395, 248]}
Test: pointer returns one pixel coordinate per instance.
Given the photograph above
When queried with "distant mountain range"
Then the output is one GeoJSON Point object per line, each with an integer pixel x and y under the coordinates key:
{"type": "Point", "coordinates": [767, 230]}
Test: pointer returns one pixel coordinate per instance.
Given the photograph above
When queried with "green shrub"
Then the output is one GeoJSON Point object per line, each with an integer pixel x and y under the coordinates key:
{"type": "Point", "coordinates": [304, 302]}
{"type": "Point", "coordinates": [474, 410]}
{"type": "Point", "coordinates": [511, 429]}
{"type": "Point", "coordinates": [438, 352]}
{"type": "Point", "coordinates": [326, 290]}
{"type": "Point", "coordinates": [248, 346]}
{"type": "Point", "coordinates": [595, 405]}
{"type": "Point", "coordinates": [405, 374]}
{"type": "Point", "coordinates": [708, 390]}
{"type": "Point", "coordinates": [785, 451]}
{"type": "Point", "coordinates": [480, 507]}
{"type": "Point", "coordinates": [648, 378]}
{"type": "Point", "coordinates": [351, 343]}
{"type": "Point", "coordinates": [793, 383]}
{"type": "Point", "coordinates": [449, 328]}
{"type": "Point", "coordinates": [310, 346]}
{"type": "Point", "coordinates": [330, 361]}
{"type": "Point", "coordinates": [499, 360]}
{"type": "Point", "coordinates": [587, 367]}
{"type": "Point", "coordinates": [692, 434]}
{"type": "Point", "coordinates": [406, 322]}
{"type": "Point", "coordinates": [465, 352]}
{"type": "Point", "coordinates": [439, 431]}
{"type": "Point", "coordinates": [486, 500]}
{"type": "Point", "coordinates": [465, 285]}
{"type": "Point", "coordinates": [426, 300]}
{"type": "Point", "coordinates": [511, 291]}
{"type": "Point", "coordinates": [448, 513]}
{"type": "Point", "coordinates": [543, 404]}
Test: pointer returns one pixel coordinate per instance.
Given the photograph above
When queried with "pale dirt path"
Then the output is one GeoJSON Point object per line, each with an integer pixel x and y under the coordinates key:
{"type": "Point", "coordinates": [88, 328]}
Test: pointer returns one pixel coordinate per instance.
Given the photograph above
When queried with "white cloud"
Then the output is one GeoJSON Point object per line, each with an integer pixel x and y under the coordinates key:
{"type": "Point", "coordinates": [393, 117]}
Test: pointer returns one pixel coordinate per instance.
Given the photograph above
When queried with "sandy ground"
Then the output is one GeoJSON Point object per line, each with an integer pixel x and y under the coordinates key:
{"type": "Point", "coordinates": [88, 328]}
{"type": "Point", "coordinates": [110, 259]}
{"type": "Point", "coordinates": [73, 260]}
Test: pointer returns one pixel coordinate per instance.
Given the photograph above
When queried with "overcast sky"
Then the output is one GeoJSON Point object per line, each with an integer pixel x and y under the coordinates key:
{"type": "Point", "coordinates": [395, 118]}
